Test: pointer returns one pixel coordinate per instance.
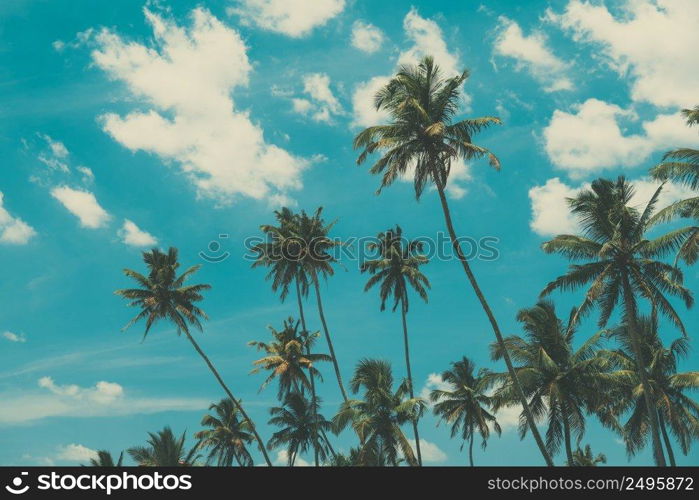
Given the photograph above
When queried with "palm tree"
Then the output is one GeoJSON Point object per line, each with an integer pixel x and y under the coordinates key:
{"type": "Point", "coordinates": [164, 450]}
{"type": "Point", "coordinates": [466, 405]}
{"type": "Point", "coordinates": [227, 436]}
{"type": "Point", "coordinates": [586, 458]}
{"type": "Point", "coordinates": [423, 140]}
{"type": "Point", "coordinates": [287, 359]}
{"type": "Point", "coordinates": [619, 265]}
{"type": "Point", "coordinates": [298, 422]}
{"type": "Point", "coordinates": [397, 269]}
{"type": "Point", "coordinates": [562, 383]}
{"type": "Point", "coordinates": [104, 459]}
{"type": "Point", "coordinates": [675, 410]}
{"type": "Point", "coordinates": [280, 253]}
{"type": "Point", "coordinates": [682, 165]}
{"type": "Point", "coordinates": [163, 295]}
{"type": "Point", "coordinates": [378, 417]}
{"type": "Point", "coordinates": [303, 241]}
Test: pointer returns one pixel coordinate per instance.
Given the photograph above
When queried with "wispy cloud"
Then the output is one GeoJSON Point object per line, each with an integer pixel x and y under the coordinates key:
{"type": "Point", "coordinates": [14, 337]}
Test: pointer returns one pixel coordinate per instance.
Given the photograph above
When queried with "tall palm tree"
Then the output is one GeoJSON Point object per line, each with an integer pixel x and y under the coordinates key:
{"type": "Point", "coordinates": [303, 241]}
{"type": "Point", "coordinates": [162, 294]}
{"type": "Point", "coordinates": [563, 383]}
{"type": "Point", "coordinates": [682, 165]}
{"type": "Point", "coordinates": [164, 450]}
{"type": "Point", "coordinates": [619, 265]}
{"type": "Point", "coordinates": [104, 459]}
{"type": "Point", "coordinates": [675, 410]}
{"type": "Point", "coordinates": [227, 436]}
{"type": "Point", "coordinates": [397, 269]}
{"type": "Point", "coordinates": [378, 417]}
{"type": "Point", "coordinates": [585, 458]}
{"type": "Point", "coordinates": [298, 422]}
{"type": "Point", "coordinates": [422, 140]}
{"type": "Point", "coordinates": [280, 253]}
{"type": "Point", "coordinates": [466, 406]}
{"type": "Point", "coordinates": [288, 359]}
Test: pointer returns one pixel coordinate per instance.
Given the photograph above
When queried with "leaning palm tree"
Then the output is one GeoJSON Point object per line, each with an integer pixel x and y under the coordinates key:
{"type": "Point", "coordinates": [288, 357]}
{"type": "Point", "coordinates": [104, 459]}
{"type": "Point", "coordinates": [298, 422]}
{"type": "Point", "coordinates": [227, 436]}
{"type": "Point", "coordinates": [563, 383]}
{"type": "Point", "coordinates": [466, 406]}
{"type": "Point", "coordinates": [682, 165]}
{"type": "Point", "coordinates": [585, 458]}
{"type": "Point", "coordinates": [280, 253]}
{"type": "Point", "coordinates": [162, 294]}
{"type": "Point", "coordinates": [676, 411]}
{"type": "Point", "coordinates": [620, 265]}
{"type": "Point", "coordinates": [423, 140]}
{"type": "Point", "coordinates": [397, 269]}
{"type": "Point", "coordinates": [378, 417]}
{"type": "Point", "coordinates": [164, 450]}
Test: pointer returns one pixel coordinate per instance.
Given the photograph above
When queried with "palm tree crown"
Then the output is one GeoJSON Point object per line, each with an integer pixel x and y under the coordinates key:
{"type": "Point", "coordinates": [164, 450]}
{"type": "Point", "coordinates": [378, 417]}
{"type": "Point", "coordinates": [227, 435]}
{"type": "Point", "coordinates": [466, 406]}
{"type": "Point", "coordinates": [288, 358]}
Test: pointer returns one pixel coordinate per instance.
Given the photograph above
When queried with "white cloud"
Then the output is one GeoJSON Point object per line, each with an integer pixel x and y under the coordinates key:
{"type": "Point", "coordinates": [83, 205]}
{"type": "Point", "coordinates": [14, 337]}
{"type": "Point", "coordinates": [532, 54]}
{"type": "Point", "coordinates": [13, 230]}
{"type": "Point", "coordinates": [551, 215]}
{"type": "Point", "coordinates": [75, 453]}
{"type": "Point", "coordinates": [591, 138]}
{"type": "Point", "coordinates": [430, 452]}
{"type": "Point", "coordinates": [366, 37]}
{"type": "Point", "coordinates": [323, 104]}
{"type": "Point", "coordinates": [427, 39]}
{"type": "Point", "coordinates": [508, 417]}
{"type": "Point", "coordinates": [295, 18]}
{"type": "Point", "coordinates": [88, 175]}
{"type": "Point", "coordinates": [550, 212]}
{"type": "Point", "coordinates": [652, 41]}
{"type": "Point", "coordinates": [187, 77]}
{"type": "Point", "coordinates": [283, 460]}
{"type": "Point", "coordinates": [55, 155]}
{"type": "Point", "coordinates": [131, 234]}
{"type": "Point", "coordinates": [104, 399]}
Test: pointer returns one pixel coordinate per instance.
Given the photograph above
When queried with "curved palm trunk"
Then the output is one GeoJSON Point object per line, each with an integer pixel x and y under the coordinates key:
{"type": "Point", "coordinates": [410, 379]}
{"type": "Point", "coordinates": [470, 448]}
{"type": "Point", "coordinates": [230, 395]}
{"type": "Point", "coordinates": [566, 437]}
{"type": "Point", "coordinates": [666, 439]}
{"type": "Point", "coordinates": [313, 383]}
{"type": "Point", "coordinates": [629, 304]}
{"type": "Point", "coordinates": [328, 339]}
{"type": "Point", "coordinates": [493, 322]}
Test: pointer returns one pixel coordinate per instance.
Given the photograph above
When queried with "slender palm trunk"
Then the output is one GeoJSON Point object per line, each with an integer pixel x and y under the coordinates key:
{"type": "Point", "coordinates": [316, 442]}
{"type": "Point", "coordinates": [666, 439]}
{"type": "Point", "coordinates": [403, 311]}
{"type": "Point", "coordinates": [566, 437]}
{"type": "Point", "coordinates": [237, 404]}
{"type": "Point", "coordinates": [470, 448]}
{"type": "Point", "coordinates": [328, 339]}
{"type": "Point", "coordinates": [629, 304]}
{"type": "Point", "coordinates": [493, 322]}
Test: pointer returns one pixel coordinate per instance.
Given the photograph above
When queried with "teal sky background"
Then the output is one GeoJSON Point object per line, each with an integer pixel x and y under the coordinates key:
{"type": "Point", "coordinates": [581, 96]}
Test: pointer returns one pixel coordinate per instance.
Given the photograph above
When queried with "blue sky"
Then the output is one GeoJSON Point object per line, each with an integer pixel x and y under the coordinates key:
{"type": "Point", "coordinates": [172, 122]}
